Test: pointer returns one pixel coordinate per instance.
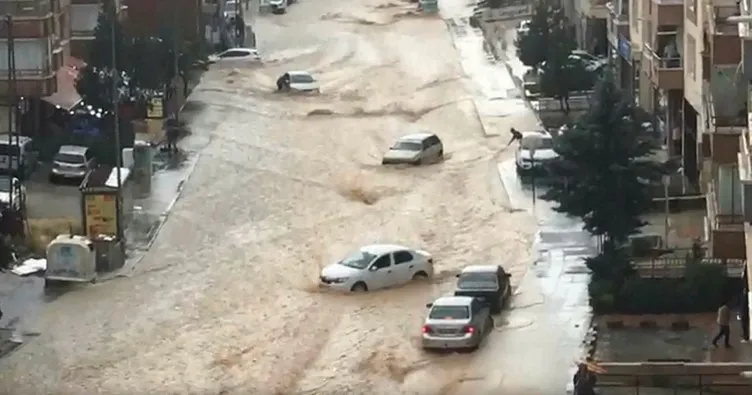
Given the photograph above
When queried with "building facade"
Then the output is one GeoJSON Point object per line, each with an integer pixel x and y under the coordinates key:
{"type": "Point", "coordinates": [84, 15]}
{"type": "Point", "coordinates": [590, 22]}
{"type": "Point", "coordinates": [41, 33]}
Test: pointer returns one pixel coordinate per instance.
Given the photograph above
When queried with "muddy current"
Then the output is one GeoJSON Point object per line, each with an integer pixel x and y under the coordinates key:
{"type": "Point", "coordinates": [227, 300]}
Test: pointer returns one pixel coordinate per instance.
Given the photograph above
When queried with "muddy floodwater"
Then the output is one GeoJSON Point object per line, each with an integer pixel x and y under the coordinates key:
{"type": "Point", "coordinates": [226, 301]}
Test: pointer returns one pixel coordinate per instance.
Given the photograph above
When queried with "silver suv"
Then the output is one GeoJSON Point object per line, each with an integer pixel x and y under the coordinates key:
{"type": "Point", "coordinates": [456, 322]}
{"type": "Point", "coordinates": [72, 162]}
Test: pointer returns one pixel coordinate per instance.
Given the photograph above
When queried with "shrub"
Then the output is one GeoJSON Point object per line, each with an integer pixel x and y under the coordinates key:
{"type": "Point", "coordinates": [703, 288]}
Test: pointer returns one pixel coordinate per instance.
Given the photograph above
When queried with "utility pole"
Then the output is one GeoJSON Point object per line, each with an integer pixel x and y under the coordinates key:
{"type": "Point", "coordinates": [12, 106]}
{"type": "Point", "coordinates": [175, 63]}
{"type": "Point", "coordinates": [116, 115]}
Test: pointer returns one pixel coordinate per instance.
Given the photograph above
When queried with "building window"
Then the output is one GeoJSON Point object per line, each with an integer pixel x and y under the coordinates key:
{"type": "Point", "coordinates": [729, 191]}
{"type": "Point", "coordinates": [691, 56]}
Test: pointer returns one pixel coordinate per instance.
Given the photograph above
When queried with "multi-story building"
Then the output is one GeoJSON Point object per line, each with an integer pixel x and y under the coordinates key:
{"type": "Point", "coordinates": [41, 43]}
{"type": "Point", "coordinates": [716, 96]}
{"type": "Point", "coordinates": [626, 64]}
{"type": "Point", "coordinates": [146, 17]}
{"type": "Point", "coordinates": [590, 25]}
{"type": "Point", "coordinates": [84, 15]}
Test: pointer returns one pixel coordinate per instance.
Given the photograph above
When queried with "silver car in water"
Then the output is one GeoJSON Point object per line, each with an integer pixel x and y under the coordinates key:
{"type": "Point", "coordinates": [455, 323]}
{"type": "Point", "coordinates": [415, 149]}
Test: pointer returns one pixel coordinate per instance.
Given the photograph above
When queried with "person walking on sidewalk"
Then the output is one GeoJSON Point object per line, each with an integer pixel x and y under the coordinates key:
{"type": "Point", "coordinates": [724, 329]}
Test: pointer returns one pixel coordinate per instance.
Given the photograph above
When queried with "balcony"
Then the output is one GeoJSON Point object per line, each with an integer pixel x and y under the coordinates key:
{"type": "Point", "coordinates": [725, 231]}
{"type": "Point", "coordinates": [744, 161]}
{"type": "Point", "coordinates": [668, 12]}
{"type": "Point", "coordinates": [23, 9]}
{"type": "Point", "coordinates": [617, 22]}
{"type": "Point", "coordinates": [666, 73]}
{"type": "Point", "coordinates": [595, 8]}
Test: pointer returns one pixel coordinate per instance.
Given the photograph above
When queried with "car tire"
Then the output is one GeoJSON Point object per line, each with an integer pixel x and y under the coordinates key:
{"type": "Point", "coordinates": [420, 276]}
{"type": "Point", "coordinates": [441, 155]}
{"type": "Point", "coordinates": [359, 287]}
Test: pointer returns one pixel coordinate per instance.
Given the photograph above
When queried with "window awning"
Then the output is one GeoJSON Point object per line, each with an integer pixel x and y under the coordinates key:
{"type": "Point", "coordinates": [66, 96]}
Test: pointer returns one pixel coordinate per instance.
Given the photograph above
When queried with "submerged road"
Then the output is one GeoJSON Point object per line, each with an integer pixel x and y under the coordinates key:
{"type": "Point", "coordinates": [226, 299]}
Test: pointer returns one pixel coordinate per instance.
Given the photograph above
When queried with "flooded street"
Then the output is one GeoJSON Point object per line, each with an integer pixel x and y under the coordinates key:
{"type": "Point", "coordinates": [227, 300]}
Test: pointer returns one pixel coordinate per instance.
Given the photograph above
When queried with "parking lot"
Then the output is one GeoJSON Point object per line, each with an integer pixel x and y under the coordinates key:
{"type": "Point", "coordinates": [47, 200]}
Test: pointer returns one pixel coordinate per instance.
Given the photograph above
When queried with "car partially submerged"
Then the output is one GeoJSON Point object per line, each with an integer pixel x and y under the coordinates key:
{"type": "Point", "coordinates": [535, 151]}
{"type": "Point", "coordinates": [487, 283]}
{"type": "Point", "coordinates": [415, 149]}
{"type": "Point", "coordinates": [456, 322]}
{"type": "Point", "coordinates": [298, 81]}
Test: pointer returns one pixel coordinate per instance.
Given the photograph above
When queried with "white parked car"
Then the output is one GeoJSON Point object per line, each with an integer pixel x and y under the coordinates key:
{"type": "Point", "coordinates": [236, 55]}
{"type": "Point", "coordinates": [278, 6]}
{"type": "Point", "coordinates": [232, 8]}
{"type": "Point", "coordinates": [377, 266]}
{"type": "Point", "coordinates": [11, 186]}
{"type": "Point", "coordinates": [415, 149]}
{"type": "Point", "coordinates": [297, 81]}
{"type": "Point", "coordinates": [542, 144]}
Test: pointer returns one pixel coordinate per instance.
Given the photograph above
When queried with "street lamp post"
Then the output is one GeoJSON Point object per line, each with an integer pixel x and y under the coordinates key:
{"type": "Point", "coordinates": [116, 116]}
{"type": "Point", "coordinates": [533, 142]}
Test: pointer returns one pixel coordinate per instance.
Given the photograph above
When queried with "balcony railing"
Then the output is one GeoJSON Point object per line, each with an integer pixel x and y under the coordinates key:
{"type": "Point", "coordinates": [25, 8]}
{"type": "Point", "coordinates": [665, 72]}
{"type": "Point", "coordinates": [718, 221]}
{"type": "Point", "coordinates": [82, 33]}
{"type": "Point", "coordinates": [745, 151]}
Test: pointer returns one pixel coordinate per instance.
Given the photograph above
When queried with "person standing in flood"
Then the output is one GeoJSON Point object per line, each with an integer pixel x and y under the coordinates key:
{"type": "Point", "coordinates": [723, 320]}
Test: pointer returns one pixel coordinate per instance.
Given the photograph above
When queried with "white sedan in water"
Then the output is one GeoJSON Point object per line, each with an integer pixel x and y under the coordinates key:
{"type": "Point", "coordinates": [377, 266]}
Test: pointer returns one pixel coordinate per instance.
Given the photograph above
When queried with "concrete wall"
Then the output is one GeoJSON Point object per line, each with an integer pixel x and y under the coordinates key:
{"type": "Point", "coordinates": [693, 83]}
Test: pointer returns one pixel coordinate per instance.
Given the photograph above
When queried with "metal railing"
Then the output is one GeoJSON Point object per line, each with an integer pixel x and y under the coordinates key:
{"type": "Point", "coordinates": [675, 266]}
{"type": "Point", "coordinates": [25, 8]}
{"type": "Point", "coordinates": [733, 222]}
{"type": "Point", "coordinates": [676, 377]}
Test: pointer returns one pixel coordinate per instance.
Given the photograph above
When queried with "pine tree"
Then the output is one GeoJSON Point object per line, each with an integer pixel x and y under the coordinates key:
{"type": "Point", "coordinates": [604, 172]}
{"type": "Point", "coordinates": [95, 80]}
{"type": "Point", "coordinates": [532, 44]}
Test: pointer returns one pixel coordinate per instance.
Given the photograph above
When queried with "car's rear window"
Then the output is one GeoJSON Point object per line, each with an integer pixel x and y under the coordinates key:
{"type": "Point", "coordinates": [543, 142]}
{"type": "Point", "coordinates": [301, 78]}
{"type": "Point", "coordinates": [477, 280]}
{"type": "Point", "coordinates": [69, 158]}
{"type": "Point", "coordinates": [449, 313]}
{"type": "Point", "coordinates": [408, 146]}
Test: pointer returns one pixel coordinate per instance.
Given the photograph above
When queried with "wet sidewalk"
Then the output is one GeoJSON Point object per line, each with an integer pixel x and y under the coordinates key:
{"type": "Point", "coordinates": [22, 298]}
{"type": "Point", "coordinates": [542, 334]}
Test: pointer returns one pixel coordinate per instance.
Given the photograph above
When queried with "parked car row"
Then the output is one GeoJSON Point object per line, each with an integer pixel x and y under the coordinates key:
{"type": "Point", "coordinates": [19, 158]}
{"type": "Point", "coordinates": [460, 321]}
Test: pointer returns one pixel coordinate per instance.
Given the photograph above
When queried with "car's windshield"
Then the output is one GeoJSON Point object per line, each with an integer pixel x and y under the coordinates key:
{"type": "Point", "coordinates": [449, 313]}
{"type": "Point", "coordinates": [477, 280]}
{"type": "Point", "coordinates": [301, 78]}
{"type": "Point", "coordinates": [407, 146]}
{"type": "Point", "coordinates": [537, 142]}
{"type": "Point", "coordinates": [69, 158]}
{"type": "Point", "coordinates": [358, 260]}
{"type": "Point", "coordinates": [5, 184]}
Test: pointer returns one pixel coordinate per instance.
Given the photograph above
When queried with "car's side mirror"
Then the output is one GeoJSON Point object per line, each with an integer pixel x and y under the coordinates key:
{"type": "Point", "coordinates": [429, 305]}
{"type": "Point", "coordinates": [373, 268]}
{"type": "Point", "coordinates": [457, 275]}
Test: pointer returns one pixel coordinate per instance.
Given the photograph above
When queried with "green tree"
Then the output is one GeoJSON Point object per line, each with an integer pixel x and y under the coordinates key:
{"type": "Point", "coordinates": [149, 64]}
{"type": "Point", "coordinates": [532, 43]}
{"type": "Point", "coordinates": [188, 54]}
{"type": "Point", "coordinates": [604, 171]}
{"type": "Point", "coordinates": [94, 83]}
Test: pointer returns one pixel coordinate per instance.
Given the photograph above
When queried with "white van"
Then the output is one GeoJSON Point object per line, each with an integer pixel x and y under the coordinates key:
{"type": "Point", "coordinates": [18, 155]}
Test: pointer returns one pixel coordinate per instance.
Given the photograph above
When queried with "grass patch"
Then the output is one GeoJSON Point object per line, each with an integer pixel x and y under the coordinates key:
{"type": "Point", "coordinates": [44, 230]}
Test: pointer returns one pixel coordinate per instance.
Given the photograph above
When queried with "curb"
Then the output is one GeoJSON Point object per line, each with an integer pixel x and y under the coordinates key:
{"type": "Point", "coordinates": [127, 269]}
{"type": "Point", "coordinates": [674, 325]}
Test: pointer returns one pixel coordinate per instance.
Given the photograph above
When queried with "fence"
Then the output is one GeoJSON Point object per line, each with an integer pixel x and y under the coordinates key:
{"type": "Point", "coordinates": [677, 377]}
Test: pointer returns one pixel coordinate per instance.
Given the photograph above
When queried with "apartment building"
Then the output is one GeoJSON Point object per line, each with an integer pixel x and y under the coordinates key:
{"type": "Point", "coordinates": [84, 15]}
{"type": "Point", "coordinates": [590, 22]}
{"type": "Point", "coordinates": [41, 43]}
{"type": "Point", "coordinates": [146, 17]}
{"type": "Point", "coordinates": [625, 63]}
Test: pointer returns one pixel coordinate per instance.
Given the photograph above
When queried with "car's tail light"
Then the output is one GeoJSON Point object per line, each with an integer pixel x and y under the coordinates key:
{"type": "Point", "coordinates": [426, 329]}
{"type": "Point", "coordinates": [469, 329]}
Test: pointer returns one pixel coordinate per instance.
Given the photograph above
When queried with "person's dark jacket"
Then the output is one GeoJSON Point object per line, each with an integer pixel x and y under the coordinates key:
{"type": "Point", "coordinates": [584, 383]}
{"type": "Point", "coordinates": [281, 82]}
